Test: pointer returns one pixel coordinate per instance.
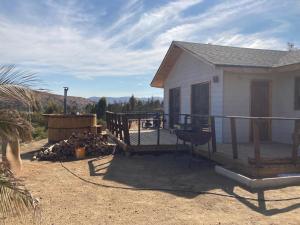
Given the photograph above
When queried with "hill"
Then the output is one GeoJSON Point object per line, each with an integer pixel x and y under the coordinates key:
{"type": "Point", "coordinates": [72, 101]}
{"type": "Point", "coordinates": [111, 100]}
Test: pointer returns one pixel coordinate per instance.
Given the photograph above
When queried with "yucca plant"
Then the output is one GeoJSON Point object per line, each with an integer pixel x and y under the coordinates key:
{"type": "Point", "coordinates": [15, 85]}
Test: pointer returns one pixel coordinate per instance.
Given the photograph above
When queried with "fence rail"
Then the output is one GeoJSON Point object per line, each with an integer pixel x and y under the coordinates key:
{"type": "Point", "coordinates": [121, 125]}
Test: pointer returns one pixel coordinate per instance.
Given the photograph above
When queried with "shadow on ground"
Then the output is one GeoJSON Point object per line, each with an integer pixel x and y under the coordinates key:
{"type": "Point", "coordinates": [173, 175]}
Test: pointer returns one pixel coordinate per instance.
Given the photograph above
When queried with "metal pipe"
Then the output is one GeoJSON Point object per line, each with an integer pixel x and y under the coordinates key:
{"type": "Point", "coordinates": [65, 99]}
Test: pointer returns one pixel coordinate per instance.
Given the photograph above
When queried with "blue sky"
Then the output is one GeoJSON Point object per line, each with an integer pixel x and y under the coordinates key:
{"type": "Point", "coordinates": [113, 48]}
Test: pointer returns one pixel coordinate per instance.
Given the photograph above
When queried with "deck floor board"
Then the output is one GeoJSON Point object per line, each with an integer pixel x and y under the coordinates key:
{"type": "Point", "coordinates": [245, 150]}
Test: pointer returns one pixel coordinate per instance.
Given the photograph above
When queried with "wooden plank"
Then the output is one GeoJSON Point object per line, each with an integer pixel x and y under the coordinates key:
{"type": "Point", "coordinates": [271, 161]}
{"type": "Point", "coordinates": [119, 142]}
{"type": "Point", "coordinates": [233, 138]}
{"type": "Point", "coordinates": [256, 141]}
{"type": "Point", "coordinates": [213, 133]}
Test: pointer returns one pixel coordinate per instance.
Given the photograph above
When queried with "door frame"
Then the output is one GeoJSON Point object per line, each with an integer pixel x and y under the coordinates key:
{"type": "Point", "coordinates": [209, 96]}
{"type": "Point", "coordinates": [170, 103]}
{"type": "Point", "coordinates": [270, 84]}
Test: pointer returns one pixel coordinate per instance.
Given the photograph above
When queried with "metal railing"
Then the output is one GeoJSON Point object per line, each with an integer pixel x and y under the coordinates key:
{"type": "Point", "coordinates": [133, 127]}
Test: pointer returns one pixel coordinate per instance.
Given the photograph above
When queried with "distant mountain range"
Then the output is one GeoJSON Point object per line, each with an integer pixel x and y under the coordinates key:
{"type": "Point", "coordinates": [111, 100]}
{"type": "Point", "coordinates": [78, 102]}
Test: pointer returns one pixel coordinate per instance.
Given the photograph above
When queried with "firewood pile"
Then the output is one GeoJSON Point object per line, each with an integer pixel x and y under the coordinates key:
{"type": "Point", "coordinates": [94, 144]}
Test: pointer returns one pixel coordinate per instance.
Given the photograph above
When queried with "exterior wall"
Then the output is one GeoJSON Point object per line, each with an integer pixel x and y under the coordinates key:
{"type": "Point", "coordinates": [237, 103]}
{"type": "Point", "coordinates": [283, 106]}
{"type": "Point", "coordinates": [187, 71]}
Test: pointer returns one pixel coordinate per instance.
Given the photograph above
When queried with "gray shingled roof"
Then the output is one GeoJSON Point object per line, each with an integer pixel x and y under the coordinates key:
{"type": "Point", "coordinates": [235, 56]}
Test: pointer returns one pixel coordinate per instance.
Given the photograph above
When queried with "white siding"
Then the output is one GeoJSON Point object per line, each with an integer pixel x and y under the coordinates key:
{"type": "Point", "coordinates": [283, 98]}
{"type": "Point", "coordinates": [237, 102]}
{"type": "Point", "coordinates": [189, 70]}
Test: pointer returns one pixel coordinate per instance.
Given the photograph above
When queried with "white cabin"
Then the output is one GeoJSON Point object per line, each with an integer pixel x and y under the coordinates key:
{"type": "Point", "coordinates": [231, 81]}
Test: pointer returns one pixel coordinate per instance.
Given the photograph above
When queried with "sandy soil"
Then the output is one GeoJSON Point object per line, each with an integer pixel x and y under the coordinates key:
{"type": "Point", "coordinates": [67, 199]}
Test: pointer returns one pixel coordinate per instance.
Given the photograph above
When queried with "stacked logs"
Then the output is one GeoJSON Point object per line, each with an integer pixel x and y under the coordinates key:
{"type": "Point", "coordinates": [94, 144]}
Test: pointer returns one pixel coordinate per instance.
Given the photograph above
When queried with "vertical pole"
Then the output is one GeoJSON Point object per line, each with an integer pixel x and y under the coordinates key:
{"type": "Point", "coordinates": [107, 120]}
{"type": "Point", "coordinates": [158, 130]}
{"type": "Point", "coordinates": [139, 131]}
{"type": "Point", "coordinates": [65, 99]}
{"type": "Point", "coordinates": [163, 120]}
{"type": "Point", "coordinates": [295, 142]}
{"type": "Point", "coordinates": [115, 124]}
{"type": "Point", "coordinates": [120, 127]}
{"type": "Point", "coordinates": [233, 138]}
{"type": "Point", "coordinates": [256, 140]}
{"type": "Point", "coordinates": [213, 134]}
{"type": "Point", "coordinates": [185, 122]}
{"type": "Point", "coordinates": [126, 130]}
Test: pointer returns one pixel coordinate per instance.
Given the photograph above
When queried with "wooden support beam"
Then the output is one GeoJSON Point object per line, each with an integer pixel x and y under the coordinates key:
{"type": "Point", "coordinates": [213, 133]}
{"type": "Point", "coordinates": [256, 141]}
{"type": "Point", "coordinates": [234, 138]}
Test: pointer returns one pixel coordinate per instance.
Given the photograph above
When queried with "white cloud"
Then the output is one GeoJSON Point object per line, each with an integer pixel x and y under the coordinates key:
{"type": "Point", "coordinates": [256, 40]}
{"type": "Point", "coordinates": [66, 48]}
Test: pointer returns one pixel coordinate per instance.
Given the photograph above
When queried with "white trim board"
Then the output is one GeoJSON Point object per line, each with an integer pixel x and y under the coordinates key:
{"type": "Point", "coordinates": [259, 183]}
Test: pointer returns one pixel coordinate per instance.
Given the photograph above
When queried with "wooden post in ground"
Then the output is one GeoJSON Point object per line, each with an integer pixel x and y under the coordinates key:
{"type": "Point", "coordinates": [213, 134]}
{"type": "Point", "coordinates": [233, 138]}
{"type": "Point", "coordinates": [256, 141]}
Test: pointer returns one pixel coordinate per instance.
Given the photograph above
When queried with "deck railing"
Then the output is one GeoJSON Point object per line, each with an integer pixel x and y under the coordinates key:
{"type": "Point", "coordinates": [120, 124]}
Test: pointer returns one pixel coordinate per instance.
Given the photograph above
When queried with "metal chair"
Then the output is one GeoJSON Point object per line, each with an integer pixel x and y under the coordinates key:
{"type": "Point", "coordinates": [195, 136]}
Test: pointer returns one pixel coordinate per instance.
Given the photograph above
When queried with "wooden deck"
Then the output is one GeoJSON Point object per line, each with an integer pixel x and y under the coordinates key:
{"type": "Point", "coordinates": [245, 151]}
{"type": "Point", "coordinates": [149, 137]}
{"type": "Point", "coordinates": [275, 157]}
{"type": "Point", "coordinates": [256, 159]}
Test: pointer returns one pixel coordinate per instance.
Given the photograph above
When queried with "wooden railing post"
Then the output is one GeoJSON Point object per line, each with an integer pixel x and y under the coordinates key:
{"type": "Point", "coordinates": [213, 134]}
{"type": "Point", "coordinates": [233, 138]}
{"type": "Point", "coordinates": [114, 124]}
{"type": "Point", "coordinates": [158, 130]}
{"type": "Point", "coordinates": [185, 122]}
{"type": "Point", "coordinates": [256, 141]}
{"type": "Point", "coordinates": [120, 129]}
{"type": "Point", "coordinates": [107, 120]}
{"type": "Point", "coordinates": [126, 130]}
{"type": "Point", "coordinates": [295, 141]}
{"type": "Point", "coordinates": [139, 130]}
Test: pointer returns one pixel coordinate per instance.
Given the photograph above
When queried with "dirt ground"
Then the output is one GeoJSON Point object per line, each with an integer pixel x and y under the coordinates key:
{"type": "Point", "coordinates": [82, 199]}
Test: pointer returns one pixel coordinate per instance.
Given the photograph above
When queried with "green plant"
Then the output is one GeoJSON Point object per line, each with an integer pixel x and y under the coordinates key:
{"type": "Point", "coordinates": [15, 85]}
{"type": "Point", "coordinates": [15, 199]}
{"type": "Point", "coordinates": [39, 132]}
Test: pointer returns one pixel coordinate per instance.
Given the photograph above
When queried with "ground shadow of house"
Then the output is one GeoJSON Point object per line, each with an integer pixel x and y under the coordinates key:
{"type": "Point", "coordinates": [171, 174]}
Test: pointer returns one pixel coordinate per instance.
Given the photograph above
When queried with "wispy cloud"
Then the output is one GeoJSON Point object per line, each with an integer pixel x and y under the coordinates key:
{"type": "Point", "coordinates": [73, 41]}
